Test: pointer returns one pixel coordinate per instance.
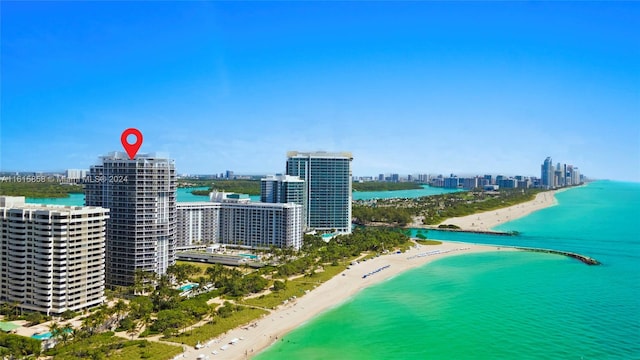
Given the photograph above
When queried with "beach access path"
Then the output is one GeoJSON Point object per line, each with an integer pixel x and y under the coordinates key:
{"type": "Point", "coordinates": [274, 326]}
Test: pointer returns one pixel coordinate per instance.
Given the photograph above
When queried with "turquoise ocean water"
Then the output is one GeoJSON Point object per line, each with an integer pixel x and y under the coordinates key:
{"type": "Point", "coordinates": [503, 305]}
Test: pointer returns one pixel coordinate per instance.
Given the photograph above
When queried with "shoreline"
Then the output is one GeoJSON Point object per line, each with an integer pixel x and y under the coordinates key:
{"type": "Point", "coordinates": [273, 327]}
{"type": "Point", "coordinates": [486, 221]}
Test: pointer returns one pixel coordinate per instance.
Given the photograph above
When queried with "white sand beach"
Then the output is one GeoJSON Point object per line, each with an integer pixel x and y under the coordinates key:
{"type": "Point", "coordinates": [335, 291]}
{"type": "Point", "coordinates": [489, 219]}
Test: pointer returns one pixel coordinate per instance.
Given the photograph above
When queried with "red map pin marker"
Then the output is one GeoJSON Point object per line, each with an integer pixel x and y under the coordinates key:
{"type": "Point", "coordinates": [131, 149]}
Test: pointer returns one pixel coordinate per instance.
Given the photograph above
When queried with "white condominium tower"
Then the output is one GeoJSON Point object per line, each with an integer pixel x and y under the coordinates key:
{"type": "Point", "coordinates": [327, 178]}
{"type": "Point", "coordinates": [258, 225]}
{"type": "Point", "coordinates": [51, 256]}
{"type": "Point", "coordinates": [282, 189]}
{"type": "Point", "coordinates": [197, 224]}
{"type": "Point", "coordinates": [141, 230]}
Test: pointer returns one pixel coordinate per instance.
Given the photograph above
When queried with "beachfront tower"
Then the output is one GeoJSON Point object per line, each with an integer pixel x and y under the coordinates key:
{"type": "Point", "coordinates": [141, 196]}
{"type": "Point", "coordinates": [282, 189]}
{"type": "Point", "coordinates": [327, 197]}
{"type": "Point", "coordinates": [51, 256]}
{"type": "Point", "coordinates": [547, 174]}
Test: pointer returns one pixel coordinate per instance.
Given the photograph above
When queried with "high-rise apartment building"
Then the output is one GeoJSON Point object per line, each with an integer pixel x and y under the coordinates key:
{"type": "Point", "coordinates": [197, 224]}
{"type": "Point", "coordinates": [547, 174]}
{"type": "Point", "coordinates": [52, 258]}
{"type": "Point", "coordinates": [327, 178]}
{"type": "Point", "coordinates": [452, 182]}
{"type": "Point", "coordinates": [575, 176]}
{"type": "Point", "coordinates": [141, 196]}
{"type": "Point", "coordinates": [258, 225]}
{"type": "Point", "coordinates": [282, 189]}
{"type": "Point", "coordinates": [76, 175]}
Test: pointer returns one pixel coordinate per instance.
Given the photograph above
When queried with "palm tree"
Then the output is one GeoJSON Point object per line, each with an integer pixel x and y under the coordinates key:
{"type": "Point", "coordinates": [146, 320]}
{"type": "Point", "coordinates": [13, 310]}
{"type": "Point", "coordinates": [87, 325]}
{"type": "Point", "coordinates": [120, 308]}
{"type": "Point", "coordinates": [215, 272]}
{"type": "Point", "coordinates": [54, 330]}
{"type": "Point", "coordinates": [67, 331]}
{"type": "Point", "coordinates": [201, 282]}
{"type": "Point", "coordinates": [102, 316]}
{"type": "Point", "coordinates": [135, 327]}
{"type": "Point", "coordinates": [64, 336]}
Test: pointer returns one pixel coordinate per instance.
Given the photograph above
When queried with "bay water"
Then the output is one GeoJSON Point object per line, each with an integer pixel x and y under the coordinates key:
{"type": "Point", "coordinates": [426, 190]}
{"type": "Point", "coordinates": [183, 195]}
{"type": "Point", "coordinates": [502, 304]}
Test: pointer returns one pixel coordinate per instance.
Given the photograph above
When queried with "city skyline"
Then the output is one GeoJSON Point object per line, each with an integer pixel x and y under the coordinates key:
{"type": "Point", "coordinates": [411, 87]}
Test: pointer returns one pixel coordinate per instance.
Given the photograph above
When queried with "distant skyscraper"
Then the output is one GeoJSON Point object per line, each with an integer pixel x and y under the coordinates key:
{"type": "Point", "coordinates": [51, 256]}
{"type": "Point", "coordinates": [452, 182]}
{"type": "Point", "coordinates": [75, 175]}
{"type": "Point", "coordinates": [328, 188]}
{"type": "Point", "coordinates": [141, 194]}
{"type": "Point", "coordinates": [547, 174]}
{"type": "Point", "coordinates": [575, 176]}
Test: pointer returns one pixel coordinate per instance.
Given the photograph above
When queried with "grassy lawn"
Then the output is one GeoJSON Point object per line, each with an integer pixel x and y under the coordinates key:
{"type": "Point", "coordinates": [148, 350]}
{"type": "Point", "coordinates": [106, 345]}
{"type": "Point", "coordinates": [295, 287]}
{"type": "Point", "coordinates": [202, 266]}
{"type": "Point", "coordinates": [218, 326]}
{"type": "Point", "coordinates": [428, 242]}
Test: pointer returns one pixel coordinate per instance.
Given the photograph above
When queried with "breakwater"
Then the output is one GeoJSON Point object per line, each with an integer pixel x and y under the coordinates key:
{"type": "Point", "coordinates": [488, 232]}
{"type": "Point", "coordinates": [585, 259]}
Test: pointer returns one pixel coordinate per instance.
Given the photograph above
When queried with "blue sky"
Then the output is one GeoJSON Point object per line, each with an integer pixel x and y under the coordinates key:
{"type": "Point", "coordinates": [408, 87]}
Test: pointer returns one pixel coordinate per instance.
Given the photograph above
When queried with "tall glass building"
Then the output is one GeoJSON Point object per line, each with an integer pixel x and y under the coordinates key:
{"type": "Point", "coordinates": [141, 197]}
{"type": "Point", "coordinates": [547, 174]}
{"type": "Point", "coordinates": [327, 197]}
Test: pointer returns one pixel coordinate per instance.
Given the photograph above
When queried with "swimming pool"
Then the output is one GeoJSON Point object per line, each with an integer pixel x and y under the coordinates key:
{"type": "Point", "coordinates": [187, 287]}
{"type": "Point", "coordinates": [250, 256]}
{"type": "Point", "coordinates": [43, 336]}
{"type": "Point", "coordinates": [47, 335]}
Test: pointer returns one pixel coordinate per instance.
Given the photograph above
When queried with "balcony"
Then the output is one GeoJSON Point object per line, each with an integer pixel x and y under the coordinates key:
{"type": "Point", "coordinates": [42, 293]}
{"type": "Point", "coordinates": [42, 269]}
{"type": "Point", "coordinates": [17, 272]}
